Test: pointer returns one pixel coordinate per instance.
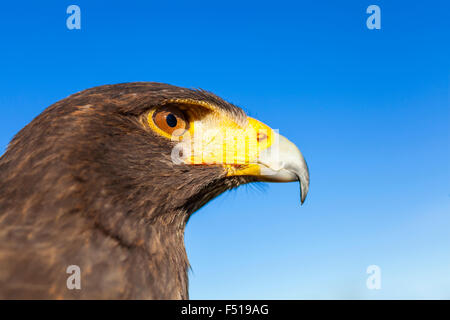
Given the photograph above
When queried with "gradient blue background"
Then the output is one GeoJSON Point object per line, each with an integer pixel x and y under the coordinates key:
{"type": "Point", "coordinates": [368, 108]}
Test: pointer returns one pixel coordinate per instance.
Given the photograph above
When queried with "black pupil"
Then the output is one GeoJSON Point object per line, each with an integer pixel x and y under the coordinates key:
{"type": "Point", "coordinates": [171, 120]}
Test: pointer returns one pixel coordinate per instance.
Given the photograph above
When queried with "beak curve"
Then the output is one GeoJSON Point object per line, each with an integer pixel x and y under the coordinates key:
{"type": "Point", "coordinates": [283, 162]}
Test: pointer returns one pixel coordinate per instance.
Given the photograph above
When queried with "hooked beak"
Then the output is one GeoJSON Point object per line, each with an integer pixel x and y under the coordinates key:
{"type": "Point", "coordinates": [283, 162]}
{"type": "Point", "coordinates": [255, 150]}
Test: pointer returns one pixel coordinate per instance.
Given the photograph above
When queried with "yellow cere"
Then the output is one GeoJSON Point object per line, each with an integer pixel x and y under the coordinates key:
{"type": "Point", "coordinates": [228, 143]}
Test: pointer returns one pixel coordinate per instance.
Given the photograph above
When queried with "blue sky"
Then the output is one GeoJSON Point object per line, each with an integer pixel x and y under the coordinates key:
{"type": "Point", "coordinates": [369, 109]}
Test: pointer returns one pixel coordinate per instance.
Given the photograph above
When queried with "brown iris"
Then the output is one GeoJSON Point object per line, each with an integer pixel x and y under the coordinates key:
{"type": "Point", "coordinates": [170, 120]}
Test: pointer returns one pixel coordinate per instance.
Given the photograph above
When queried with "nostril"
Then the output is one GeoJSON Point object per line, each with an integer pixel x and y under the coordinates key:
{"type": "Point", "coordinates": [261, 136]}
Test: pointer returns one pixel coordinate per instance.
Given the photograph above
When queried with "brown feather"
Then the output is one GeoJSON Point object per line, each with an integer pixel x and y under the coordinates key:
{"type": "Point", "coordinates": [85, 183]}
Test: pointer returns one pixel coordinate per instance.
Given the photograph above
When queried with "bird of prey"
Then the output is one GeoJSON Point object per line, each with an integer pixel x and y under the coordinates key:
{"type": "Point", "coordinates": [106, 180]}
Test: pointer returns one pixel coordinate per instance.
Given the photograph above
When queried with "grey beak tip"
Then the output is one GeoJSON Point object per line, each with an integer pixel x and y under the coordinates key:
{"type": "Point", "coordinates": [302, 197]}
{"type": "Point", "coordinates": [304, 188]}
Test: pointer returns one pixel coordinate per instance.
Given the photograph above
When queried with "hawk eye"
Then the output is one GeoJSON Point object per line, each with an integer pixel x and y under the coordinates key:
{"type": "Point", "coordinates": [170, 120]}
